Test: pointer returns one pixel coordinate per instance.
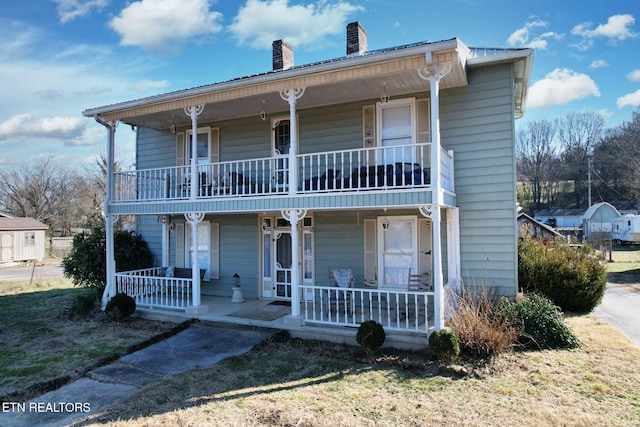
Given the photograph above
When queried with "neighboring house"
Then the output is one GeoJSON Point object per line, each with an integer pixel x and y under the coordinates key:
{"type": "Point", "coordinates": [596, 221]}
{"type": "Point", "coordinates": [567, 222]}
{"type": "Point", "coordinates": [348, 164]}
{"type": "Point", "coordinates": [536, 229]}
{"type": "Point", "coordinates": [21, 239]}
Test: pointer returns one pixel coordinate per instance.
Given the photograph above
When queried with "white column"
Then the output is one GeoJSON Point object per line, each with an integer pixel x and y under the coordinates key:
{"type": "Point", "coordinates": [110, 285]}
{"type": "Point", "coordinates": [164, 219]}
{"type": "Point", "coordinates": [293, 216]}
{"type": "Point", "coordinates": [194, 218]}
{"type": "Point", "coordinates": [291, 95]}
{"type": "Point", "coordinates": [193, 112]}
{"type": "Point", "coordinates": [434, 73]}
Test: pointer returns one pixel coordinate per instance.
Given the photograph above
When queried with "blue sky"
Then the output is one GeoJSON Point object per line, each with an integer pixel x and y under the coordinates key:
{"type": "Point", "coordinates": [60, 57]}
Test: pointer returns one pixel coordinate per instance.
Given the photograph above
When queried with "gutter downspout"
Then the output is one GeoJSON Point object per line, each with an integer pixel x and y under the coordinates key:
{"type": "Point", "coordinates": [110, 287]}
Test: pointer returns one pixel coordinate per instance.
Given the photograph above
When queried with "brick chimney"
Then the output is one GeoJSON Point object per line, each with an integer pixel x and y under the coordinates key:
{"type": "Point", "coordinates": [356, 39]}
{"type": "Point", "coordinates": [282, 55]}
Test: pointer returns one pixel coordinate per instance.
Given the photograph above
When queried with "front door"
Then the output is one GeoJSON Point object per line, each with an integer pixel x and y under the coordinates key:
{"type": "Point", "coordinates": [277, 276]}
{"type": "Point", "coordinates": [282, 265]}
{"type": "Point", "coordinates": [398, 243]}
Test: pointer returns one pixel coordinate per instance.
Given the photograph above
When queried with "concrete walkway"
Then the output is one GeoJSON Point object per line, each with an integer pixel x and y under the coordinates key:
{"type": "Point", "coordinates": [198, 346]}
{"type": "Point", "coordinates": [621, 309]}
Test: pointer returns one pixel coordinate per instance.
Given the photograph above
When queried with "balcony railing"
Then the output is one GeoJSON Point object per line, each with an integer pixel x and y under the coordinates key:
{"type": "Point", "coordinates": [365, 169]}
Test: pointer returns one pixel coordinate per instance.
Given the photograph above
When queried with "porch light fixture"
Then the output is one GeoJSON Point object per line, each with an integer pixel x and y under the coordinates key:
{"type": "Point", "coordinates": [384, 98]}
{"type": "Point", "coordinates": [265, 225]}
{"type": "Point", "coordinates": [263, 113]}
{"type": "Point", "coordinates": [385, 224]}
{"type": "Point", "coordinates": [172, 226]}
{"type": "Point", "coordinates": [172, 128]}
{"type": "Point", "coordinates": [236, 280]}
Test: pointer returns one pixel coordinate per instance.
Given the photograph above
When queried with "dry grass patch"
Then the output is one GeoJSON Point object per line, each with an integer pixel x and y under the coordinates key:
{"type": "Point", "coordinates": [286, 382]}
{"type": "Point", "coordinates": [42, 348]}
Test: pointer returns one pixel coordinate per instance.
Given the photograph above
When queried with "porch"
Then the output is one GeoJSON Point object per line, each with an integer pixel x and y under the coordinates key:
{"type": "Point", "coordinates": [343, 171]}
{"type": "Point", "coordinates": [329, 313]}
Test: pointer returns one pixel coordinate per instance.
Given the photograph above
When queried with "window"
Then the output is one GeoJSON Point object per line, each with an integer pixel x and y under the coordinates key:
{"type": "Point", "coordinates": [396, 131]}
{"type": "Point", "coordinates": [29, 239]}
{"type": "Point", "coordinates": [203, 148]}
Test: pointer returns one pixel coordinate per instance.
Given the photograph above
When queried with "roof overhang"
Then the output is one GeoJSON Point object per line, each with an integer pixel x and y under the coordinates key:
{"type": "Point", "coordinates": [348, 79]}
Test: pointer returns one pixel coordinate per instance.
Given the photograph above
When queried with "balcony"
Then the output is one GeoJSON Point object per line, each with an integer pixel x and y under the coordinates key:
{"type": "Point", "coordinates": [345, 171]}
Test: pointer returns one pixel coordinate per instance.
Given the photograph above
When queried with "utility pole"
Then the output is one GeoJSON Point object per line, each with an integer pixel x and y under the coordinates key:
{"type": "Point", "coordinates": [589, 178]}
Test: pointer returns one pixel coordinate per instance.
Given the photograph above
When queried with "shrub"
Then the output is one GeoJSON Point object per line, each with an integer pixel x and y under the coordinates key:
{"type": "Point", "coordinates": [120, 307]}
{"type": "Point", "coordinates": [371, 336]}
{"type": "Point", "coordinates": [570, 277]}
{"type": "Point", "coordinates": [480, 328]}
{"type": "Point", "coordinates": [444, 344]}
{"type": "Point", "coordinates": [540, 323]}
{"type": "Point", "coordinates": [86, 264]}
{"type": "Point", "coordinates": [85, 303]}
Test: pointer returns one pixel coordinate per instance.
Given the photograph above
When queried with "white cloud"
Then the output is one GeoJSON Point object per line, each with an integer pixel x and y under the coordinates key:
{"type": "Point", "coordinates": [48, 127]}
{"type": "Point", "coordinates": [617, 28]}
{"type": "Point", "coordinates": [632, 100]}
{"type": "Point", "coordinates": [68, 10]}
{"type": "Point", "coordinates": [164, 25]}
{"type": "Point", "coordinates": [525, 36]}
{"type": "Point", "coordinates": [259, 23]}
{"type": "Point", "coordinates": [149, 85]}
{"type": "Point", "coordinates": [634, 76]}
{"type": "Point", "coordinates": [599, 63]}
{"type": "Point", "coordinates": [560, 87]}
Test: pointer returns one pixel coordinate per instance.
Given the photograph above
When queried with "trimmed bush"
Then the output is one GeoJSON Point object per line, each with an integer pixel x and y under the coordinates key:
{"type": "Point", "coordinates": [572, 278]}
{"type": "Point", "coordinates": [371, 336]}
{"type": "Point", "coordinates": [480, 328]}
{"type": "Point", "coordinates": [86, 264]}
{"type": "Point", "coordinates": [120, 307]}
{"type": "Point", "coordinates": [444, 345]}
{"type": "Point", "coordinates": [85, 303]}
{"type": "Point", "coordinates": [540, 323]}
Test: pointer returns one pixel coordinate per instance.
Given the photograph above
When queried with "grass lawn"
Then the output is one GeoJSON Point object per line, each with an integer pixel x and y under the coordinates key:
{"type": "Point", "coordinates": [296, 383]}
{"type": "Point", "coordinates": [41, 346]}
{"type": "Point", "coordinates": [285, 382]}
{"type": "Point", "coordinates": [624, 271]}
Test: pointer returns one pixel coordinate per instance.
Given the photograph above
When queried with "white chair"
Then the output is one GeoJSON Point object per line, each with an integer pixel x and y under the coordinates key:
{"type": "Point", "coordinates": [343, 279]}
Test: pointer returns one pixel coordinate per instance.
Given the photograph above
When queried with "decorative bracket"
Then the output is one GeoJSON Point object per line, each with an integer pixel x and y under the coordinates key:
{"type": "Point", "coordinates": [291, 94]}
{"type": "Point", "coordinates": [426, 211]}
{"type": "Point", "coordinates": [194, 108]}
{"type": "Point", "coordinates": [294, 214]}
{"type": "Point", "coordinates": [194, 218]}
{"type": "Point", "coordinates": [433, 71]}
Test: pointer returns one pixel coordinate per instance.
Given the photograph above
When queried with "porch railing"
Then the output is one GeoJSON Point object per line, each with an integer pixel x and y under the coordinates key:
{"type": "Point", "coordinates": [404, 166]}
{"type": "Point", "coordinates": [396, 310]}
{"type": "Point", "coordinates": [149, 288]}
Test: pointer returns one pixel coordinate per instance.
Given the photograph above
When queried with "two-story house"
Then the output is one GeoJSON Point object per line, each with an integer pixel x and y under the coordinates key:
{"type": "Point", "coordinates": [339, 172]}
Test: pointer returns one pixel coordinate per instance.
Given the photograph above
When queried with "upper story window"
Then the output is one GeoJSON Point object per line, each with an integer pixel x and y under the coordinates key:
{"type": "Point", "coordinates": [203, 148]}
{"type": "Point", "coordinates": [396, 130]}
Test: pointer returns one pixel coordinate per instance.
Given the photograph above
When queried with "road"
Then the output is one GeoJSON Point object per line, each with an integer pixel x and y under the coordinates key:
{"type": "Point", "coordinates": [621, 309]}
{"type": "Point", "coordinates": [8, 274]}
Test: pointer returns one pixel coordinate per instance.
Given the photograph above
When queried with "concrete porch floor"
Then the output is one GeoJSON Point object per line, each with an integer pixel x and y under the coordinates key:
{"type": "Point", "coordinates": [221, 308]}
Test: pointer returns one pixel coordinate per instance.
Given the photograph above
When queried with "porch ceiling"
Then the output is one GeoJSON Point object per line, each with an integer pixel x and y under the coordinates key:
{"type": "Point", "coordinates": [334, 82]}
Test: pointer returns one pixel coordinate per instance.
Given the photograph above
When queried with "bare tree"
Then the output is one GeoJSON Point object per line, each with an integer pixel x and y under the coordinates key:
{"type": "Point", "coordinates": [537, 160]}
{"type": "Point", "coordinates": [579, 133]}
{"type": "Point", "coordinates": [48, 192]}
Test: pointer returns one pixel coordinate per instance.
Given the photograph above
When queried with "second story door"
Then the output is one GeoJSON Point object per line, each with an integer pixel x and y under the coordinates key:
{"type": "Point", "coordinates": [281, 145]}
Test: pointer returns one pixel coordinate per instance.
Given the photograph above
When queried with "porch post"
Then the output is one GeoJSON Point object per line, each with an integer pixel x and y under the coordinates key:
{"type": "Point", "coordinates": [293, 216]}
{"type": "Point", "coordinates": [164, 219]}
{"type": "Point", "coordinates": [434, 73]}
{"type": "Point", "coordinates": [194, 218]}
{"type": "Point", "coordinates": [193, 112]}
{"type": "Point", "coordinates": [291, 95]}
{"type": "Point", "coordinates": [110, 285]}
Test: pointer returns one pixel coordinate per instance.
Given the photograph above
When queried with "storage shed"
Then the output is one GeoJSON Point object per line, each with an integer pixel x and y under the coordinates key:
{"type": "Point", "coordinates": [21, 239]}
{"type": "Point", "coordinates": [596, 221]}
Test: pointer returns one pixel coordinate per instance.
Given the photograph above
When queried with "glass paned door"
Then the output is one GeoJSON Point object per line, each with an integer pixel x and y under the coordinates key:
{"type": "Point", "coordinates": [283, 265]}
{"type": "Point", "coordinates": [396, 131]}
{"type": "Point", "coordinates": [399, 253]}
{"type": "Point", "coordinates": [204, 245]}
{"type": "Point", "coordinates": [281, 147]}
